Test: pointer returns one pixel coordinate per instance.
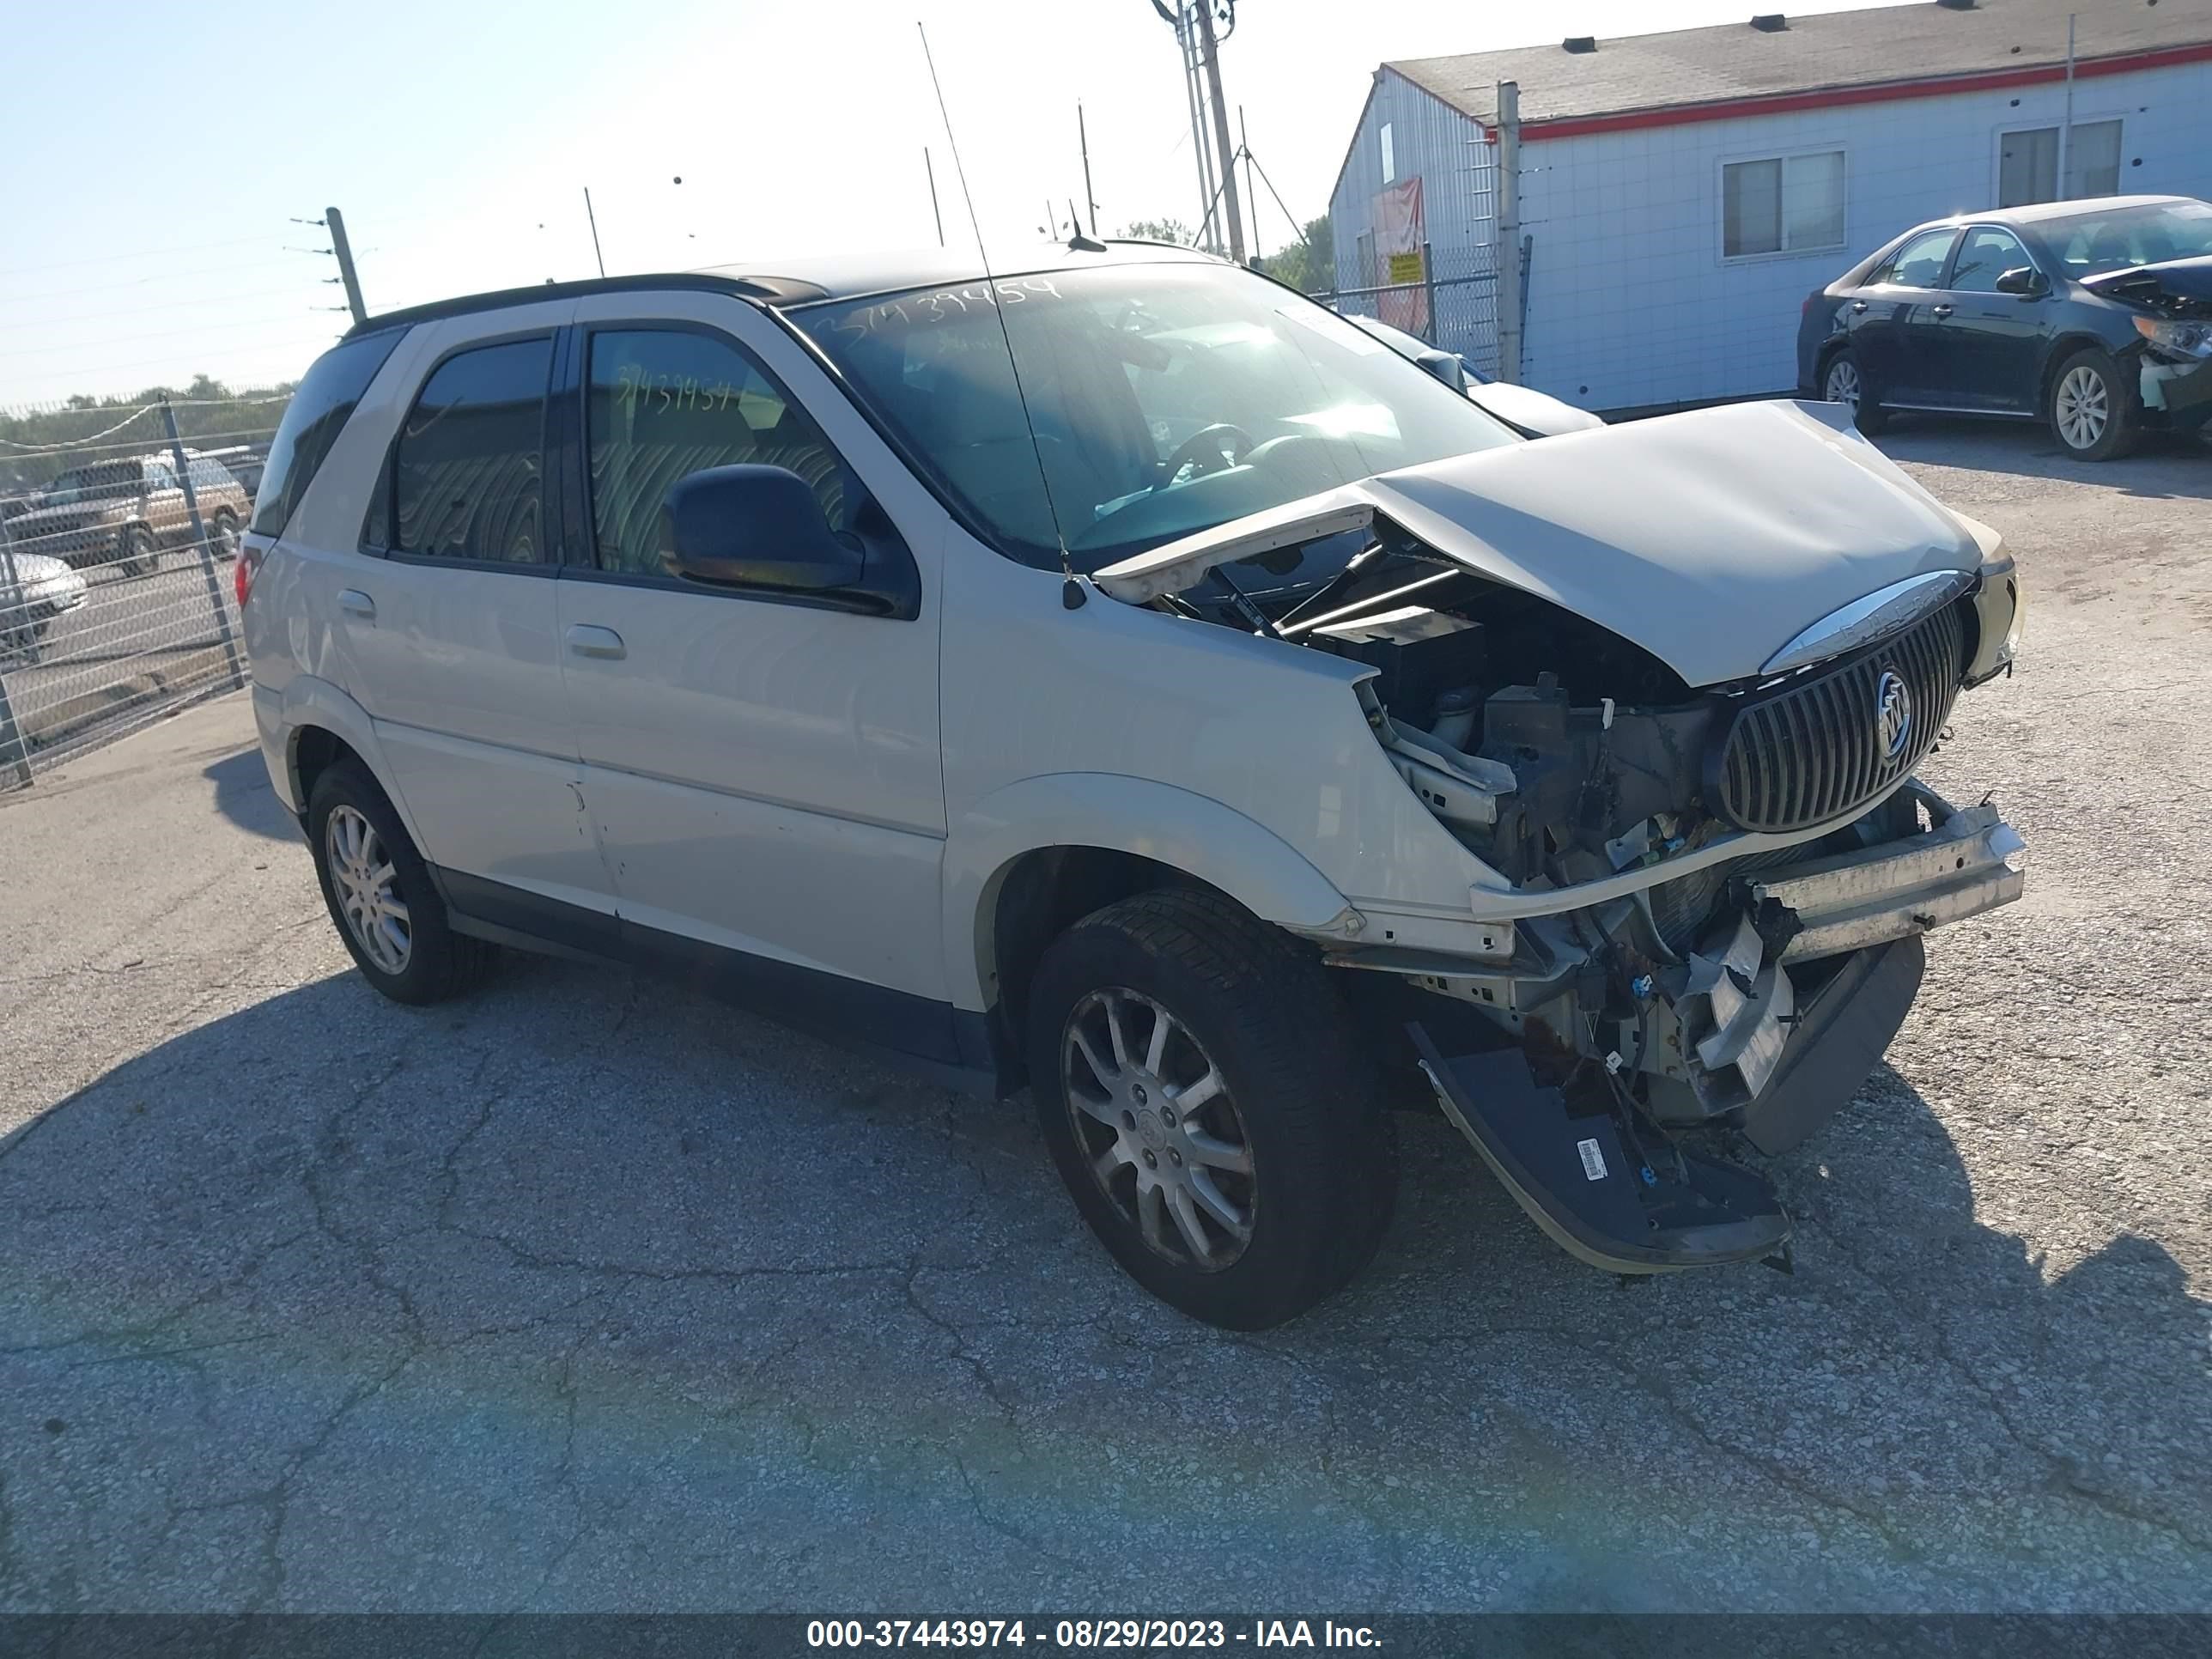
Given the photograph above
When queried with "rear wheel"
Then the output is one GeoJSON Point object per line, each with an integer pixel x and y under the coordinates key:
{"type": "Point", "coordinates": [222, 534]}
{"type": "Point", "coordinates": [381, 895]}
{"type": "Point", "coordinates": [2092, 407]}
{"type": "Point", "coordinates": [1842, 383]}
{"type": "Point", "coordinates": [1210, 1107]}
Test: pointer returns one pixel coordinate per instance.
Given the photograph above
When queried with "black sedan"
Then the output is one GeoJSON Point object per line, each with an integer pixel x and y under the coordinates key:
{"type": "Point", "coordinates": [2095, 316]}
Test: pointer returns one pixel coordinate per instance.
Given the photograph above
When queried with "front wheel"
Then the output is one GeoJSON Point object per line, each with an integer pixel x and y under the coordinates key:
{"type": "Point", "coordinates": [2091, 409]}
{"type": "Point", "coordinates": [135, 552]}
{"type": "Point", "coordinates": [1842, 383]}
{"type": "Point", "coordinates": [1210, 1107]}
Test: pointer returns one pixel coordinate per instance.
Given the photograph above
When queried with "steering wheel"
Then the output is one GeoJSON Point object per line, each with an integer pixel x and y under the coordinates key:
{"type": "Point", "coordinates": [1221, 442]}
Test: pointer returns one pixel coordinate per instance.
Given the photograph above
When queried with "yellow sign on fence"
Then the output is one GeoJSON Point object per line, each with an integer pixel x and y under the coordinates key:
{"type": "Point", "coordinates": [1406, 267]}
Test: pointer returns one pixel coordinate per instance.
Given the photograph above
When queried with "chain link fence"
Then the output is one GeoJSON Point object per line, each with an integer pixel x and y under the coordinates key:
{"type": "Point", "coordinates": [120, 526]}
{"type": "Point", "coordinates": [1448, 297]}
{"type": "Point", "coordinates": [1453, 306]}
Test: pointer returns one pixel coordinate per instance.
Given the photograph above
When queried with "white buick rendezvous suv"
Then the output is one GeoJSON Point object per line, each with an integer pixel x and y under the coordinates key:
{"type": "Point", "coordinates": [1122, 676]}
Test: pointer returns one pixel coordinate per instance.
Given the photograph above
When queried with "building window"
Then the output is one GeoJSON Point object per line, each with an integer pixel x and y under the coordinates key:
{"type": "Point", "coordinates": [2027, 164]}
{"type": "Point", "coordinates": [1788, 205]}
{"type": "Point", "coordinates": [1389, 157]}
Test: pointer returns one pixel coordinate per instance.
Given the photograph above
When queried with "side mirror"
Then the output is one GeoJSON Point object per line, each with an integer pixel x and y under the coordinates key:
{"type": "Point", "coordinates": [754, 526]}
{"type": "Point", "coordinates": [1446, 367]}
{"type": "Point", "coordinates": [2024, 280]}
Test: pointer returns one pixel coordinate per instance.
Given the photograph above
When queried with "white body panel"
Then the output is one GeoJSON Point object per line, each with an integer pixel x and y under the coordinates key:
{"type": "Point", "coordinates": [765, 776]}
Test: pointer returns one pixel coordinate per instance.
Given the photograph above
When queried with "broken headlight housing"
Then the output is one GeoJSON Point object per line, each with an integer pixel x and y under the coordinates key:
{"type": "Point", "coordinates": [2178, 340]}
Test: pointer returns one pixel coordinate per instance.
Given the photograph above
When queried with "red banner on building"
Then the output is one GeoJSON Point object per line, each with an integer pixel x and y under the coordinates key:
{"type": "Point", "coordinates": [1400, 231]}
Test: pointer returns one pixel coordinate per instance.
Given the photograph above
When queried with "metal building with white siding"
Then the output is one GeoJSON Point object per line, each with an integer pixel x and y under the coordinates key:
{"type": "Point", "coordinates": [1681, 194]}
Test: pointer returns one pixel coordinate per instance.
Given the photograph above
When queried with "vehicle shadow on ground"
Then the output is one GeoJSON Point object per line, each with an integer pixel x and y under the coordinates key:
{"type": "Point", "coordinates": [592, 1271]}
{"type": "Point", "coordinates": [243, 794]}
{"type": "Point", "coordinates": [2165, 466]}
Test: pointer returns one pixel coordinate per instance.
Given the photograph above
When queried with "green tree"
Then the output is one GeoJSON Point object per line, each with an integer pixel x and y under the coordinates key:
{"type": "Point", "coordinates": [1158, 230]}
{"type": "Point", "coordinates": [1309, 263]}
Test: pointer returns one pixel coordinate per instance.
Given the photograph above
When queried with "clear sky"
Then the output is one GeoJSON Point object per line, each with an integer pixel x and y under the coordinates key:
{"type": "Point", "coordinates": [153, 158]}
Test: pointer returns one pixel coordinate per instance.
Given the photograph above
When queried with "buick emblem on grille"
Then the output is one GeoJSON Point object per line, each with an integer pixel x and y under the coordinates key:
{"type": "Point", "coordinates": [1893, 713]}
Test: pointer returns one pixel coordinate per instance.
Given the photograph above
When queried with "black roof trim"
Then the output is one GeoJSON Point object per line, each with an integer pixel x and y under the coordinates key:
{"type": "Point", "coordinates": [758, 290]}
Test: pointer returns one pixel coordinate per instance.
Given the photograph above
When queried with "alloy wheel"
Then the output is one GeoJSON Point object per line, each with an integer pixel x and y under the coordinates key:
{"type": "Point", "coordinates": [1844, 383]}
{"type": "Point", "coordinates": [369, 897]}
{"type": "Point", "coordinates": [1155, 1122]}
{"type": "Point", "coordinates": [2083, 409]}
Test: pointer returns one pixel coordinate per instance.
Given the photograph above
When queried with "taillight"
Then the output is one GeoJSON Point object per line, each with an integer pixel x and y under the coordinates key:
{"type": "Point", "coordinates": [248, 567]}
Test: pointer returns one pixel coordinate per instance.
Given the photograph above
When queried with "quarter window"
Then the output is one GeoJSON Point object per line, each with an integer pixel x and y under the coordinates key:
{"type": "Point", "coordinates": [1788, 205]}
{"type": "Point", "coordinates": [1986, 254]}
{"type": "Point", "coordinates": [1917, 264]}
{"type": "Point", "coordinates": [321, 405]}
{"type": "Point", "coordinates": [665, 404]}
{"type": "Point", "coordinates": [467, 472]}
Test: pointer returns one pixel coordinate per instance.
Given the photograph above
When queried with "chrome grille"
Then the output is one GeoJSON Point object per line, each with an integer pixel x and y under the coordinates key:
{"type": "Point", "coordinates": [1816, 748]}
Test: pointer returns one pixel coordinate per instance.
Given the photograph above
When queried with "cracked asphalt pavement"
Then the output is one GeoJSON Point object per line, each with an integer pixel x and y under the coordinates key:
{"type": "Point", "coordinates": [591, 1293]}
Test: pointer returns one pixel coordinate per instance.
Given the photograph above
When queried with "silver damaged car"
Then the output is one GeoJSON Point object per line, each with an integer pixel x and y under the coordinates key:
{"type": "Point", "coordinates": [1121, 678]}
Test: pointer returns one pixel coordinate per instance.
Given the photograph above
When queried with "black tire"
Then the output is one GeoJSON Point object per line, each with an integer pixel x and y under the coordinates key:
{"type": "Point", "coordinates": [2116, 395]}
{"type": "Point", "coordinates": [1303, 1090]}
{"type": "Point", "coordinates": [222, 534]}
{"type": "Point", "coordinates": [1869, 416]}
{"type": "Point", "coordinates": [135, 551]}
{"type": "Point", "coordinates": [439, 963]}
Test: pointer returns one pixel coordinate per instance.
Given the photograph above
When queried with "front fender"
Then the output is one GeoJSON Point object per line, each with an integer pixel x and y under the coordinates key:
{"type": "Point", "coordinates": [1186, 831]}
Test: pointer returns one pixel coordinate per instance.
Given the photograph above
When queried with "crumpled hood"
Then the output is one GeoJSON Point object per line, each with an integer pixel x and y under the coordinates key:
{"type": "Point", "coordinates": [2182, 278]}
{"type": "Point", "coordinates": [1710, 538]}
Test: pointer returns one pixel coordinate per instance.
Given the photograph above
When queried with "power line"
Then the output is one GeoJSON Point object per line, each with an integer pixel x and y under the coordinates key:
{"type": "Point", "coordinates": [145, 253]}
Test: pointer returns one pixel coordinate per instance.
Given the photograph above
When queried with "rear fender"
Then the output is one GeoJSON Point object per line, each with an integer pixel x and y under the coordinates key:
{"type": "Point", "coordinates": [307, 701]}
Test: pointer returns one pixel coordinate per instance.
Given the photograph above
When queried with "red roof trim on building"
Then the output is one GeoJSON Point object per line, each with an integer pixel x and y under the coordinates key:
{"type": "Point", "coordinates": [1838, 97]}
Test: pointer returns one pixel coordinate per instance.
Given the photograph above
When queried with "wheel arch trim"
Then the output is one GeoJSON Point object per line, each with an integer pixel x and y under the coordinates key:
{"type": "Point", "coordinates": [1177, 828]}
{"type": "Point", "coordinates": [308, 702]}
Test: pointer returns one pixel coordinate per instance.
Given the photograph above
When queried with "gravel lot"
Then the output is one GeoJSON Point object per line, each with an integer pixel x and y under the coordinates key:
{"type": "Point", "coordinates": [591, 1293]}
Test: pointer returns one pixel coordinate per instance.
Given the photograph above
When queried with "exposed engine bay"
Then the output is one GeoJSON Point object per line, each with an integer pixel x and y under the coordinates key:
{"type": "Point", "coordinates": [1752, 992]}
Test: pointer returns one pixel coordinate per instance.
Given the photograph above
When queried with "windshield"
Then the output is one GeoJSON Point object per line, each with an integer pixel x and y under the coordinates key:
{"type": "Point", "coordinates": [2122, 237]}
{"type": "Point", "coordinates": [1167, 399]}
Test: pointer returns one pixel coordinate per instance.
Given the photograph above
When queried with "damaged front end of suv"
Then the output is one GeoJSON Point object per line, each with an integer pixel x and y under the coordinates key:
{"type": "Point", "coordinates": [1671, 708]}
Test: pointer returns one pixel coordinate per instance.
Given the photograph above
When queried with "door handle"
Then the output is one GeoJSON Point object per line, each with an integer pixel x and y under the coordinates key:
{"type": "Point", "coordinates": [586, 640]}
{"type": "Point", "coordinates": [1942, 310]}
{"type": "Point", "coordinates": [1858, 305]}
{"type": "Point", "coordinates": [355, 602]}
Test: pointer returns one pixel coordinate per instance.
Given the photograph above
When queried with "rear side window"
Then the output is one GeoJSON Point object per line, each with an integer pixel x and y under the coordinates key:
{"type": "Point", "coordinates": [468, 470]}
{"type": "Point", "coordinates": [321, 405]}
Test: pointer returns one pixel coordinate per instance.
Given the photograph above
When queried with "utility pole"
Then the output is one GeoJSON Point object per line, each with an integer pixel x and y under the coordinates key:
{"type": "Point", "coordinates": [1210, 57]}
{"type": "Point", "coordinates": [1506, 237]}
{"type": "Point", "coordinates": [2066, 127]}
{"type": "Point", "coordinates": [1185, 34]}
{"type": "Point", "coordinates": [1251, 191]}
{"type": "Point", "coordinates": [1083, 138]}
{"type": "Point", "coordinates": [335, 222]}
